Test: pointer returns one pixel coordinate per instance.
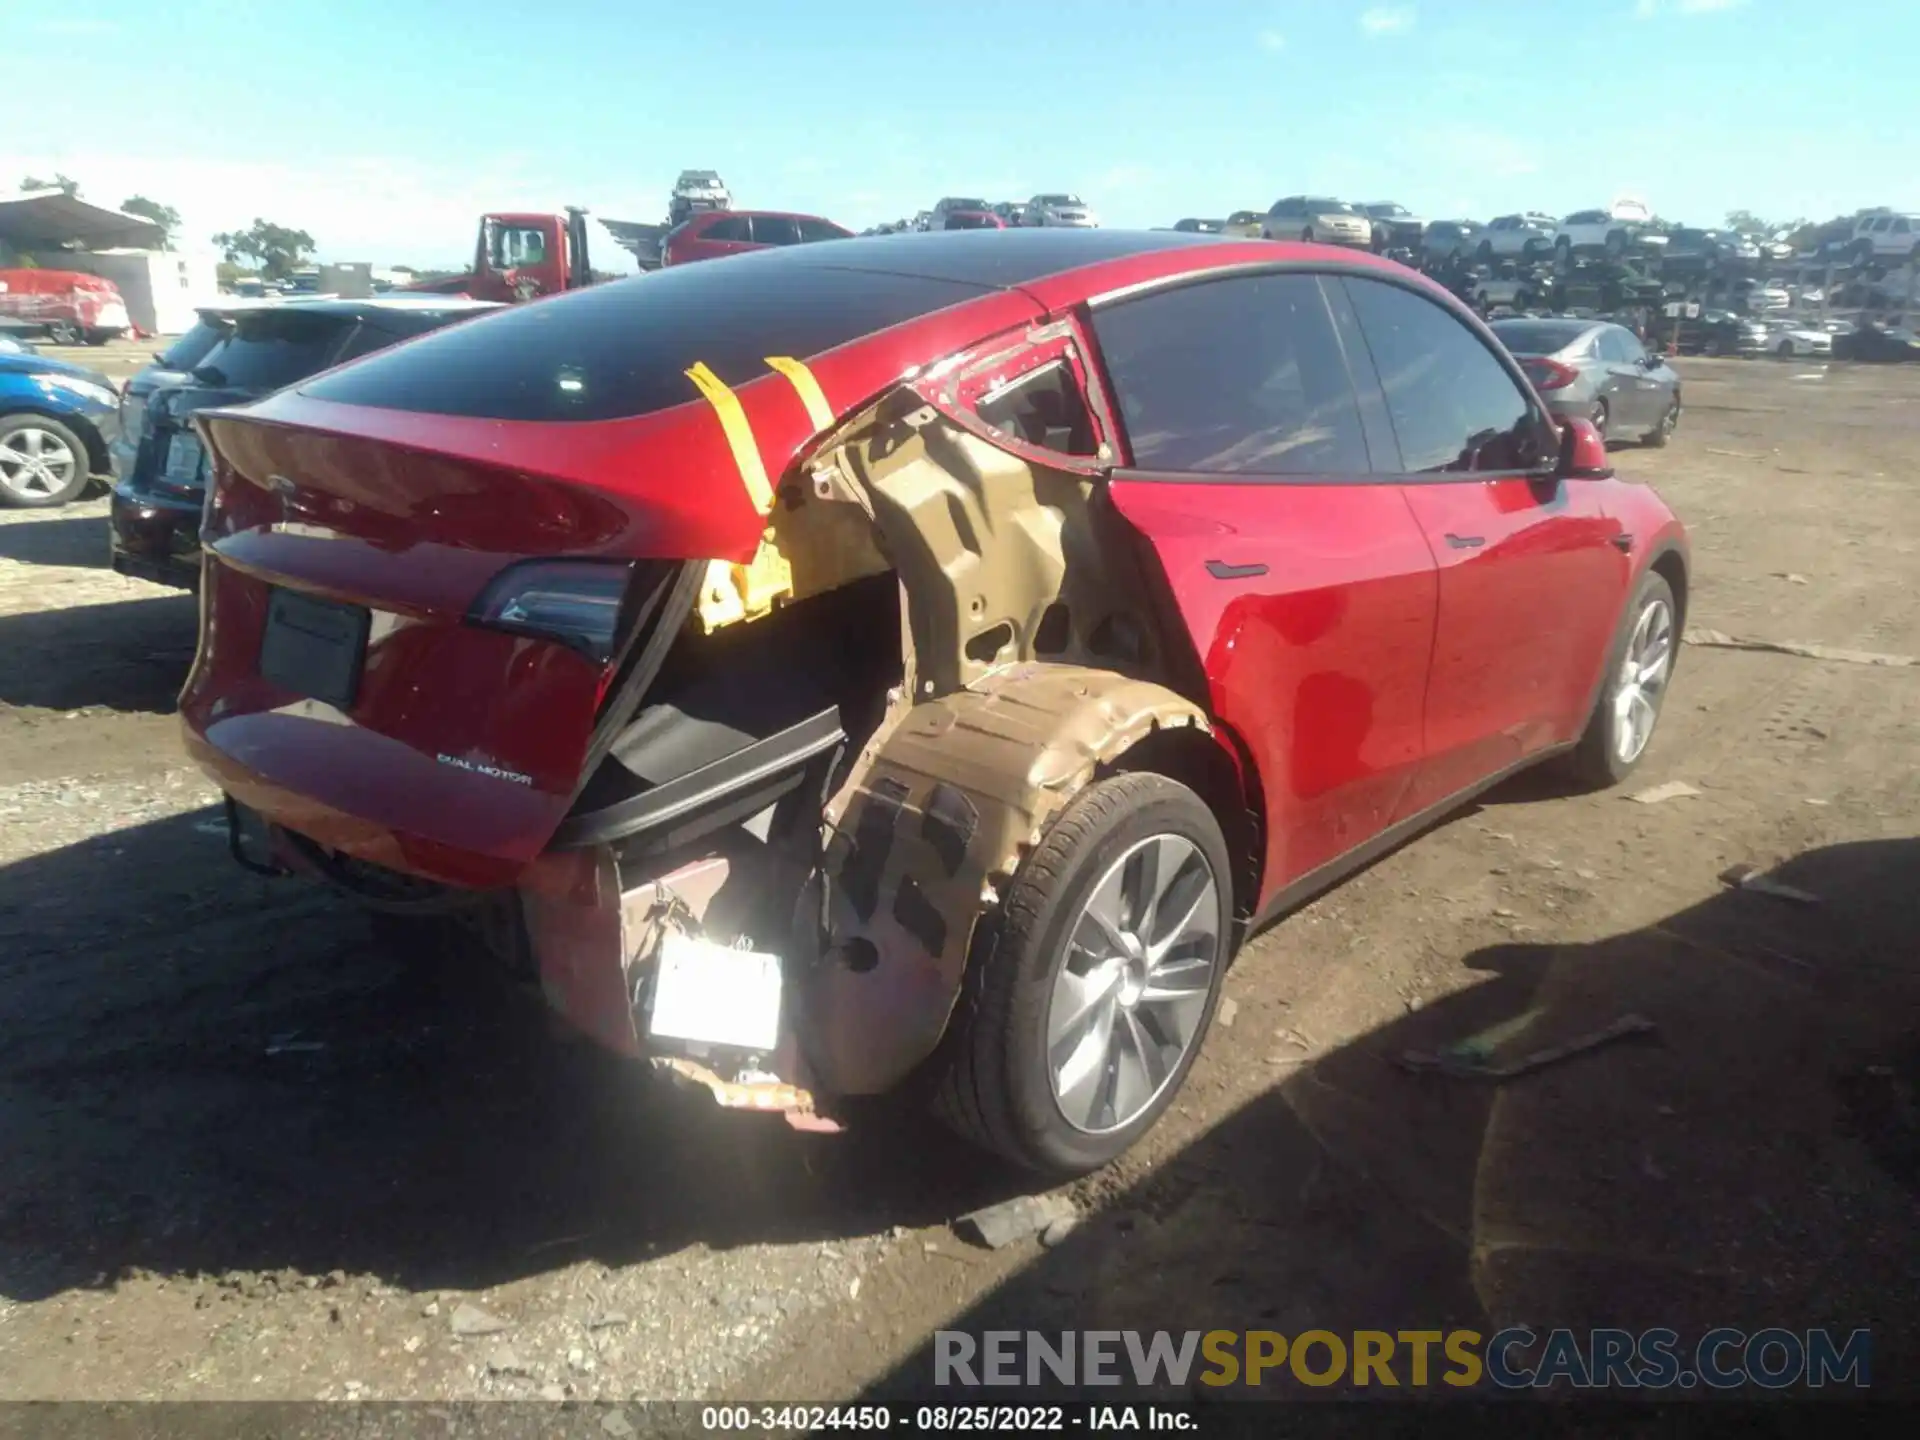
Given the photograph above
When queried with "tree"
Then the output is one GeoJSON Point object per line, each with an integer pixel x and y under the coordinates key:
{"type": "Point", "coordinates": [277, 249]}
{"type": "Point", "coordinates": [69, 188]}
{"type": "Point", "coordinates": [165, 216]}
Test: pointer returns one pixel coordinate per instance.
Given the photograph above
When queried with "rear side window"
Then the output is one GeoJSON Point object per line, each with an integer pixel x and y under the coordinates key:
{"type": "Point", "coordinates": [727, 227]}
{"type": "Point", "coordinates": [811, 230]}
{"type": "Point", "coordinates": [623, 347]}
{"type": "Point", "coordinates": [1044, 408]}
{"type": "Point", "coordinates": [1242, 376]}
{"type": "Point", "coordinates": [270, 349]}
{"type": "Point", "coordinates": [1453, 405]}
{"type": "Point", "coordinates": [191, 348]}
{"type": "Point", "coordinates": [775, 230]}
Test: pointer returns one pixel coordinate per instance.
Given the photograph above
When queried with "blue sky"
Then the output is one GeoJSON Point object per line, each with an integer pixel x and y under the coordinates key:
{"type": "Point", "coordinates": [385, 129]}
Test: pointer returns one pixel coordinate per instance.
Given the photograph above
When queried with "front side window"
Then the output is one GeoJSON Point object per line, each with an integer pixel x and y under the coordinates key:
{"type": "Point", "coordinates": [1453, 405]}
{"type": "Point", "coordinates": [811, 230]}
{"type": "Point", "coordinates": [1243, 376]}
{"type": "Point", "coordinates": [515, 246]}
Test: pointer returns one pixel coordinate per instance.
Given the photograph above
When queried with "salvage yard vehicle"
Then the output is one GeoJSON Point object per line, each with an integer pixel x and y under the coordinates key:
{"type": "Point", "coordinates": [1611, 232]}
{"type": "Point", "coordinates": [69, 307]}
{"type": "Point", "coordinates": [155, 510]}
{"type": "Point", "coordinates": [1394, 226]}
{"type": "Point", "coordinates": [1888, 237]}
{"type": "Point", "coordinates": [1517, 237]}
{"type": "Point", "coordinates": [169, 367]}
{"type": "Point", "coordinates": [1703, 331]}
{"type": "Point", "coordinates": [1068, 211]}
{"type": "Point", "coordinates": [920, 659]}
{"type": "Point", "coordinates": [1451, 241]}
{"type": "Point", "coordinates": [697, 192]}
{"type": "Point", "coordinates": [734, 232]}
{"type": "Point", "coordinates": [1246, 224]}
{"type": "Point", "coordinates": [1305, 217]}
{"type": "Point", "coordinates": [1790, 338]}
{"type": "Point", "coordinates": [57, 424]}
{"type": "Point", "coordinates": [1599, 372]}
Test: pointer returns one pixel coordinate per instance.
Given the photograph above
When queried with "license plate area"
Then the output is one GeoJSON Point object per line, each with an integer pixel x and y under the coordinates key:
{"type": "Point", "coordinates": [710, 994]}
{"type": "Point", "coordinates": [186, 461]}
{"type": "Point", "coordinates": [314, 648]}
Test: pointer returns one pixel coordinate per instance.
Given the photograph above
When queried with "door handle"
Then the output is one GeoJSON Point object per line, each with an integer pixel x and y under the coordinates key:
{"type": "Point", "coordinates": [1465, 542]}
{"type": "Point", "coordinates": [1622, 542]}
{"type": "Point", "coordinates": [1221, 570]}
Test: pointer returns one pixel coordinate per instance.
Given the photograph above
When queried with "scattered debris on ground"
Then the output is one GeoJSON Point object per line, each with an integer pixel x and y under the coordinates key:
{"type": "Point", "coordinates": [1477, 1067]}
{"type": "Point", "coordinates": [1751, 877]}
{"type": "Point", "coordinates": [1672, 790]}
{"type": "Point", "coordinates": [1720, 640]}
{"type": "Point", "coordinates": [997, 1226]}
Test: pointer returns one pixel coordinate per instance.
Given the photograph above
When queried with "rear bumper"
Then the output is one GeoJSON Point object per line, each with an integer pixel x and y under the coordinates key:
{"type": "Point", "coordinates": [155, 537]}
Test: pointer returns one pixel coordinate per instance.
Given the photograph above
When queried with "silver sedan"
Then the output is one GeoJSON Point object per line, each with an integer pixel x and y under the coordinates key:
{"type": "Point", "coordinates": [1598, 371]}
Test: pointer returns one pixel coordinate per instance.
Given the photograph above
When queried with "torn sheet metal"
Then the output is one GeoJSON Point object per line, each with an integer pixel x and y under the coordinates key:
{"type": "Point", "coordinates": [946, 804]}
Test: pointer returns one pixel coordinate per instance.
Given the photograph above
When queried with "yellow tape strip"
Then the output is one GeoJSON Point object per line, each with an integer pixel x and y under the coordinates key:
{"type": "Point", "coordinates": [733, 420]}
{"type": "Point", "coordinates": [811, 395]}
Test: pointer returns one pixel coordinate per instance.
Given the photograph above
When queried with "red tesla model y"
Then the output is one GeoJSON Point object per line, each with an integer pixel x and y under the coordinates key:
{"type": "Point", "coordinates": [918, 656]}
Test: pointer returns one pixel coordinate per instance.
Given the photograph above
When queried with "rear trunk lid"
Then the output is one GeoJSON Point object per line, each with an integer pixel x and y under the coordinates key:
{"type": "Point", "coordinates": [436, 578]}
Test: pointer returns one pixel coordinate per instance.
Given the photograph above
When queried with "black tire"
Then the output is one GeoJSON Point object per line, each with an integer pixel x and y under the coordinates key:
{"type": "Point", "coordinates": [76, 481]}
{"type": "Point", "coordinates": [1484, 253]}
{"type": "Point", "coordinates": [1657, 438]}
{"type": "Point", "coordinates": [1785, 350]}
{"type": "Point", "coordinates": [100, 337]}
{"type": "Point", "coordinates": [1563, 252]}
{"type": "Point", "coordinates": [995, 1087]}
{"type": "Point", "coordinates": [65, 332]}
{"type": "Point", "coordinates": [1711, 349]}
{"type": "Point", "coordinates": [1596, 762]}
{"type": "Point", "coordinates": [1599, 416]}
{"type": "Point", "coordinates": [1307, 234]}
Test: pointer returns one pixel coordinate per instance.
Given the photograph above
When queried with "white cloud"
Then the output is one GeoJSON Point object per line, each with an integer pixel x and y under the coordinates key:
{"type": "Point", "coordinates": [1387, 20]}
{"type": "Point", "coordinates": [1272, 40]}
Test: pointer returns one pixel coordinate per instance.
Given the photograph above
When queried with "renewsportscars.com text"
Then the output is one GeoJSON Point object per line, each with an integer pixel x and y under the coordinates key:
{"type": "Point", "coordinates": [1512, 1359]}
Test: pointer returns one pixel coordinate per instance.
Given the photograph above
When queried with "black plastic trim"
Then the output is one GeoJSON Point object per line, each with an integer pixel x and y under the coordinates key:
{"type": "Point", "coordinates": [742, 784]}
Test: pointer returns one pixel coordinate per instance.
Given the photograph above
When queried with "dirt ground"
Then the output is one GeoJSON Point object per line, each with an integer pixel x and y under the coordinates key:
{"type": "Point", "coordinates": [251, 1153]}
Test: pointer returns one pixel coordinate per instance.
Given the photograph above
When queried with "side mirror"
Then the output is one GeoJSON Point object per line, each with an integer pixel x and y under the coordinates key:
{"type": "Point", "coordinates": [1583, 454]}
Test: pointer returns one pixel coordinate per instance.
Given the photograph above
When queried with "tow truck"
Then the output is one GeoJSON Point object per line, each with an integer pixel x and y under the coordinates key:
{"type": "Point", "coordinates": [520, 256]}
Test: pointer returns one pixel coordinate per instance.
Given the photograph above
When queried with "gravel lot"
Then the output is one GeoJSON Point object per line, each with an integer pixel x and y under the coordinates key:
{"type": "Point", "coordinates": [252, 1153]}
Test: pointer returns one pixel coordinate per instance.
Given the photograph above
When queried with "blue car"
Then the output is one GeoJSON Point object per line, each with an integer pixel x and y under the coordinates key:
{"type": "Point", "coordinates": [58, 423]}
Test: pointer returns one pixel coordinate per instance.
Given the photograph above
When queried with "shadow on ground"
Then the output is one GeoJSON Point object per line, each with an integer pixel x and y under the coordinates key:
{"type": "Point", "coordinates": [130, 655]}
{"type": "Point", "coordinates": [208, 1072]}
{"type": "Point", "coordinates": [1754, 1162]}
{"type": "Point", "coordinates": [75, 541]}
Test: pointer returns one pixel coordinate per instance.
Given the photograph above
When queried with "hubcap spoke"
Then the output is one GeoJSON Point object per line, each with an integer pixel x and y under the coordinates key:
{"type": "Point", "coordinates": [1643, 677]}
{"type": "Point", "coordinates": [1130, 993]}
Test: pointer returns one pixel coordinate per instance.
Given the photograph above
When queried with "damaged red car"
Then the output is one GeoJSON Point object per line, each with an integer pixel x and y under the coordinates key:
{"type": "Point", "coordinates": [920, 659]}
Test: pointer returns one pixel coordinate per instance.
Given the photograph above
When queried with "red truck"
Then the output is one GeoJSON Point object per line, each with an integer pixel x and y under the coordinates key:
{"type": "Point", "coordinates": [70, 307]}
{"type": "Point", "coordinates": [520, 256]}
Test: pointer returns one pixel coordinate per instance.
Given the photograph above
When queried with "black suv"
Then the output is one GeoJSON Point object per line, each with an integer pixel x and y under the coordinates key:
{"type": "Point", "coordinates": [155, 512]}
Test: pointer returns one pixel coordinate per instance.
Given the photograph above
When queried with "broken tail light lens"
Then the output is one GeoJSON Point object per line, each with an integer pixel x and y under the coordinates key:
{"type": "Point", "coordinates": [575, 603]}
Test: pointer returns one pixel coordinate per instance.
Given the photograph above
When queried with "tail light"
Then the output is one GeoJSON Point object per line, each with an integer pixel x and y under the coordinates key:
{"type": "Point", "coordinates": [1549, 374]}
{"type": "Point", "coordinates": [575, 603]}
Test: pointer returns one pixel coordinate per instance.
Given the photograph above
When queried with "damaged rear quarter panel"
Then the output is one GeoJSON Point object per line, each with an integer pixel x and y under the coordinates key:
{"type": "Point", "coordinates": [937, 820]}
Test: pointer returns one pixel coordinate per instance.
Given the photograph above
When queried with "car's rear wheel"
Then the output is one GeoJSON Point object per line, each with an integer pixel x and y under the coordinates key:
{"type": "Point", "coordinates": [1307, 234]}
{"type": "Point", "coordinates": [1784, 350]}
{"type": "Point", "coordinates": [1711, 349]}
{"type": "Point", "coordinates": [1087, 1008]}
{"type": "Point", "coordinates": [1669, 422]}
{"type": "Point", "coordinates": [1639, 668]}
{"type": "Point", "coordinates": [42, 462]}
{"type": "Point", "coordinates": [1599, 417]}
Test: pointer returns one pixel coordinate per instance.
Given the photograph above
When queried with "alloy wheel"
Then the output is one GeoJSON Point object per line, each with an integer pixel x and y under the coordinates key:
{"type": "Point", "coordinates": [1131, 993]}
{"type": "Point", "coordinates": [1642, 680]}
{"type": "Point", "coordinates": [35, 464]}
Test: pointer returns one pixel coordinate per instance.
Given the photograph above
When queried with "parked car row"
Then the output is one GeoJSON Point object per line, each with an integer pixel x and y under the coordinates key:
{"type": "Point", "coordinates": [1058, 209]}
